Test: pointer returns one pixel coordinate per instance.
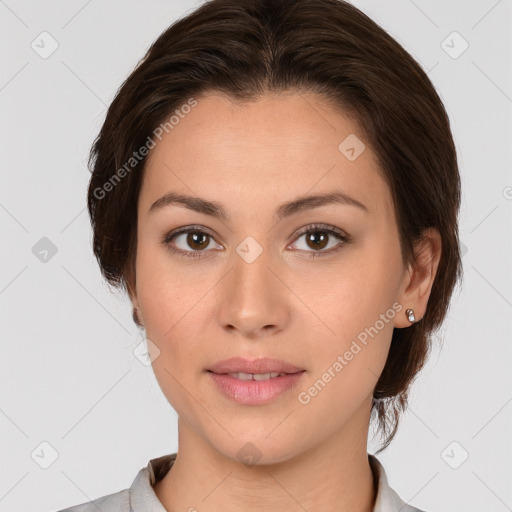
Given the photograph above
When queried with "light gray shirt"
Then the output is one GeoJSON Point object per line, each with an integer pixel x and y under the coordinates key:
{"type": "Point", "coordinates": [141, 497]}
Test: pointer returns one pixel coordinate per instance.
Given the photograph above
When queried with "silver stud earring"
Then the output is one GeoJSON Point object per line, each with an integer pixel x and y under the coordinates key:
{"type": "Point", "coordinates": [410, 315]}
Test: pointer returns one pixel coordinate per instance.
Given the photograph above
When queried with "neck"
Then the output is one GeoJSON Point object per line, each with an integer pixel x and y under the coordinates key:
{"type": "Point", "coordinates": [335, 475]}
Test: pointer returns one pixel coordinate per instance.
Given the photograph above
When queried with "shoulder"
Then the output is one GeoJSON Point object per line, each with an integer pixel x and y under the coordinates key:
{"type": "Point", "coordinates": [116, 502]}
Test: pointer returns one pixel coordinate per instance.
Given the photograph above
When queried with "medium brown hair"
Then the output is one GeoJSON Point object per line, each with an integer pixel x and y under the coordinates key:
{"type": "Point", "coordinates": [246, 48]}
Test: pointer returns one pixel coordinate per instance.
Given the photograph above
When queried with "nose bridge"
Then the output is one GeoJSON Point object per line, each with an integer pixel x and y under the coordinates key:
{"type": "Point", "coordinates": [253, 298]}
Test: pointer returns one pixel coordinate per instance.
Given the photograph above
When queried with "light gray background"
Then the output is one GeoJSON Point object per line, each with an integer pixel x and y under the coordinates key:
{"type": "Point", "coordinates": [68, 373]}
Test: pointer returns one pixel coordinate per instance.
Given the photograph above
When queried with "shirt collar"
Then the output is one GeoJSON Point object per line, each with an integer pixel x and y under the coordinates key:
{"type": "Point", "coordinates": [387, 500]}
{"type": "Point", "coordinates": [144, 499]}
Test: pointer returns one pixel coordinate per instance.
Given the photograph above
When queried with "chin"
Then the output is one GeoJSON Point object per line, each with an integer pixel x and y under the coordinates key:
{"type": "Point", "coordinates": [254, 450]}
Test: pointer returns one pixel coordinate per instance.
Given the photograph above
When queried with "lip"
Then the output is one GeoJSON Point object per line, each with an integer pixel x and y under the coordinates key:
{"type": "Point", "coordinates": [259, 365]}
{"type": "Point", "coordinates": [254, 392]}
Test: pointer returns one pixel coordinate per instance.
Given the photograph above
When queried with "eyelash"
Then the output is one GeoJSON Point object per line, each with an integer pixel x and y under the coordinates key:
{"type": "Point", "coordinates": [330, 230]}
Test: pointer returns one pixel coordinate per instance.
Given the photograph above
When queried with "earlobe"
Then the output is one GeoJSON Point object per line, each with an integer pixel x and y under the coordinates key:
{"type": "Point", "coordinates": [136, 314]}
{"type": "Point", "coordinates": [136, 317]}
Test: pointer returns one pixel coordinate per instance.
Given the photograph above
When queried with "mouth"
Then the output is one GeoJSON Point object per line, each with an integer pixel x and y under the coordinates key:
{"type": "Point", "coordinates": [254, 382]}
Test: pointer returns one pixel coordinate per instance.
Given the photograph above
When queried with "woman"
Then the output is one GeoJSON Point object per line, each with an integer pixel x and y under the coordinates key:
{"type": "Point", "coordinates": [276, 188]}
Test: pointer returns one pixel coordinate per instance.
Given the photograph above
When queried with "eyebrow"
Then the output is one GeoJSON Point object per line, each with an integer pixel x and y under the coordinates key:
{"type": "Point", "coordinates": [287, 209]}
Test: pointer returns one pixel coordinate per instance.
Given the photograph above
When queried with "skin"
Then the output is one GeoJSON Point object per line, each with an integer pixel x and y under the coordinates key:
{"type": "Point", "coordinates": [252, 157]}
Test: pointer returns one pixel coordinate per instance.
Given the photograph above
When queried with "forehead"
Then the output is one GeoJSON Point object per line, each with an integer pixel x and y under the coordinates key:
{"type": "Point", "coordinates": [279, 146]}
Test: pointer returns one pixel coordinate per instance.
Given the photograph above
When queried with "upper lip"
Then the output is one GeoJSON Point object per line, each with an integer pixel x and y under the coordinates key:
{"type": "Point", "coordinates": [259, 365]}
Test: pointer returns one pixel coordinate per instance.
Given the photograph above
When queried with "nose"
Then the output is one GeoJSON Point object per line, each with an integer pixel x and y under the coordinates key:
{"type": "Point", "coordinates": [253, 301]}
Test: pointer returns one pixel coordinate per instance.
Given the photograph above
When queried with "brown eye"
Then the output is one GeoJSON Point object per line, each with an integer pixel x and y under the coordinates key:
{"type": "Point", "coordinates": [317, 239]}
{"type": "Point", "coordinates": [197, 240]}
{"type": "Point", "coordinates": [189, 242]}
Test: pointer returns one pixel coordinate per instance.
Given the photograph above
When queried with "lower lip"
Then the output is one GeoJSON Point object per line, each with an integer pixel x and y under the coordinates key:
{"type": "Point", "coordinates": [254, 392]}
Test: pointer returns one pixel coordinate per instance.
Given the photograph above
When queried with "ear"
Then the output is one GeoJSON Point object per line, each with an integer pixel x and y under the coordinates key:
{"type": "Point", "coordinates": [132, 294]}
{"type": "Point", "coordinates": [419, 278]}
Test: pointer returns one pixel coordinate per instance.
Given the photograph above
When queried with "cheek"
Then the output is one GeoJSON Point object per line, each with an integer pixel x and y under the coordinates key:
{"type": "Point", "coordinates": [354, 306]}
{"type": "Point", "coordinates": [349, 297]}
{"type": "Point", "coordinates": [174, 300]}
{"type": "Point", "coordinates": [162, 289]}
{"type": "Point", "coordinates": [172, 313]}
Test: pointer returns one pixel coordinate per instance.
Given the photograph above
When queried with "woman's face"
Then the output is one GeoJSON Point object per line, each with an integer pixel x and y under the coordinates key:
{"type": "Point", "coordinates": [260, 281]}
